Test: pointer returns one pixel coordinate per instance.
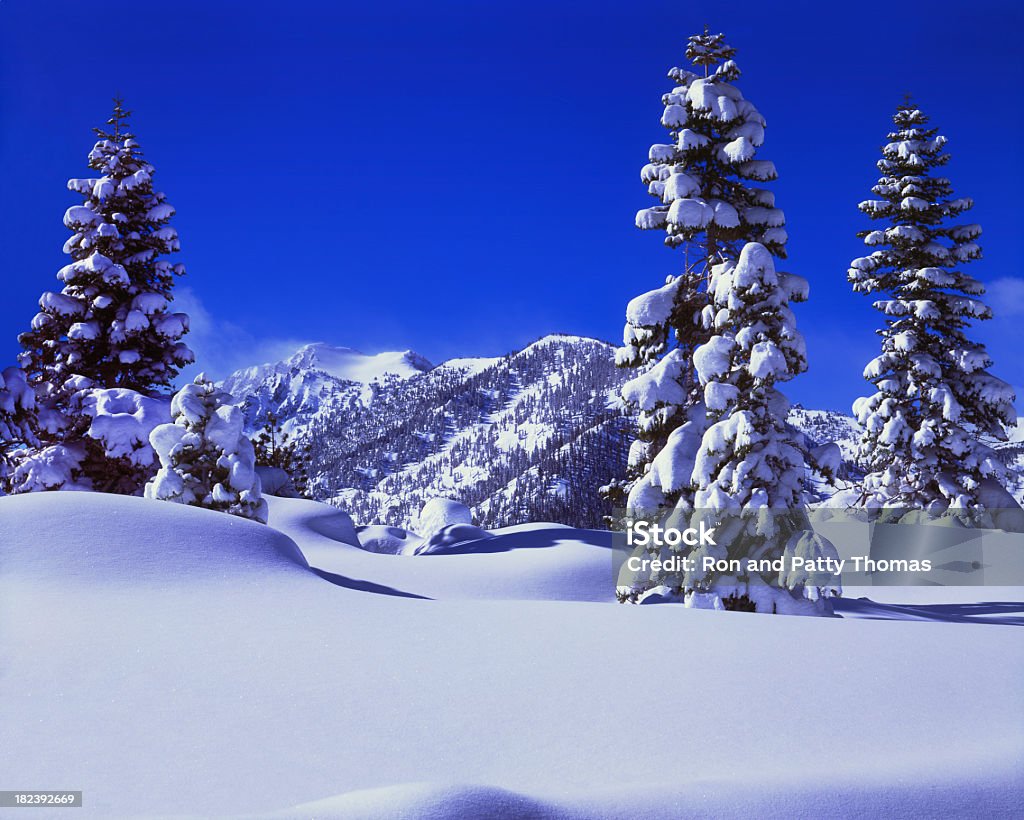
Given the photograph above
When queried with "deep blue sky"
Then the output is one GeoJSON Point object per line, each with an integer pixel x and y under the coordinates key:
{"type": "Point", "coordinates": [459, 178]}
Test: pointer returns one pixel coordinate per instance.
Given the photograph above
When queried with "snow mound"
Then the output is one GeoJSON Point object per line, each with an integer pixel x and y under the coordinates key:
{"type": "Point", "coordinates": [660, 594]}
{"type": "Point", "coordinates": [535, 562]}
{"type": "Point", "coordinates": [916, 792]}
{"type": "Point", "coordinates": [426, 801]}
{"type": "Point", "coordinates": [452, 538]}
{"type": "Point", "coordinates": [54, 537]}
{"type": "Point", "coordinates": [439, 513]}
{"type": "Point", "coordinates": [334, 524]}
{"type": "Point", "coordinates": [388, 540]}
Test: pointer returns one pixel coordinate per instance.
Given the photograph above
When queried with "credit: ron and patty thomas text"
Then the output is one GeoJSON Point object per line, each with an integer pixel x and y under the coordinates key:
{"type": "Point", "coordinates": [646, 534]}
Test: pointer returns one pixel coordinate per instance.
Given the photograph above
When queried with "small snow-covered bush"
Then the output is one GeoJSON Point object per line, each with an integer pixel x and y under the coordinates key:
{"type": "Point", "coordinates": [206, 461]}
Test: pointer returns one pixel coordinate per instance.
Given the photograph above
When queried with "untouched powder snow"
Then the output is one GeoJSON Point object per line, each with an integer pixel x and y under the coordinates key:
{"type": "Point", "coordinates": [169, 660]}
{"type": "Point", "coordinates": [535, 562]}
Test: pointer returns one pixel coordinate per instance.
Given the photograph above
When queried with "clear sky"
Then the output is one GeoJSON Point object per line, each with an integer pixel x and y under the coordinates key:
{"type": "Point", "coordinates": [460, 178]}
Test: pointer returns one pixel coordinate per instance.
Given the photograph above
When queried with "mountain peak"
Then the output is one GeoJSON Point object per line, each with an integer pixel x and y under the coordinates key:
{"type": "Point", "coordinates": [349, 364]}
{"type": "Point", "coordinates": [568, 339]}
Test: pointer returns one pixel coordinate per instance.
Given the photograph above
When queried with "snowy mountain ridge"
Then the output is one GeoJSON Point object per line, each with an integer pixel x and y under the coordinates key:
{"type": "Point", "coordinates": [351, 365]}
{"type": "Point", "coordinates": [523, 437]}
{"type": "Point", "coordinates": [315, 376]}
{"type": "Point", "coordinates": [526, 436]}
{"type": "Point", "coordinates": [342, 363]}
{"type": "Point", "coordinates": [512, 436]}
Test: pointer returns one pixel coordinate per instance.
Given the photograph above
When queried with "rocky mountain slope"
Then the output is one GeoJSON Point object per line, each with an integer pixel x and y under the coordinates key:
{"type": "Point", "coordinates": [526, 436]}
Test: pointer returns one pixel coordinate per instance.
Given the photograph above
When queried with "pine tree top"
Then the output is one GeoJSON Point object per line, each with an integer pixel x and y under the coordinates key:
{"type": "Point", "coordinates": [118, 122]}
{"type": "Point", "coordinates": [908, 115]}
{"type": "Point", "coordinates": [707, 175]}
{"type": "Point", "coordinates": [706, 50]}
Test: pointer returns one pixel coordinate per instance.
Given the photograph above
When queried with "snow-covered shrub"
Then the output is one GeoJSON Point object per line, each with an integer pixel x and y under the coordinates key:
{"type": "Point", "coordinates": [1004, 511]}
{"type": "Point", "coordinates": [388, 540]}
{"type": "Point", "coordinates": [921, 446]}
{"type": "Point", "coordinates": [444, 525]}
{"type": "Point", "coordinates": [708, 185]}
{"type": "Point", "coordinates": [205, 458]}
{"type": "Point", "coordinates": [810, 546]}
{"type": "Point", "coordinates": [110, 326]}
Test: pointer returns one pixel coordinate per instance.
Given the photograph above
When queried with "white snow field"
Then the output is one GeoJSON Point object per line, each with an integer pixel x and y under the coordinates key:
{"type": "Point", "coordinates": [174, 661]}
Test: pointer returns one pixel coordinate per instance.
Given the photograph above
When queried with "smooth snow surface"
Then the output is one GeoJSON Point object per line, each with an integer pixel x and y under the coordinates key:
{"type": "Point", "coordinates": [517, 563]}
{"type": "Point", "coordinates": [169, 660]}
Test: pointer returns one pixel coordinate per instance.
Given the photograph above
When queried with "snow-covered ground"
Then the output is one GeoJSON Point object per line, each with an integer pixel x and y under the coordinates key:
{"type": "Point", "coordinates": [174, 661]}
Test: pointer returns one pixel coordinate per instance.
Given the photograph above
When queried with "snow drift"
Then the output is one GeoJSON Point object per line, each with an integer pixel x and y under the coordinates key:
{"type": "Point", "coordinates": [160, 655]}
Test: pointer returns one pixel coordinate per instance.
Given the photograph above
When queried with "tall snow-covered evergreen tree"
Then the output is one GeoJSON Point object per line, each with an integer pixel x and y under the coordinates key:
{"type": "Point", "coordinates": [922, 445]}
{"type": "Point", "coordinates": [707, 181]}
{"type": "Point", "coordinates": [110, 326]}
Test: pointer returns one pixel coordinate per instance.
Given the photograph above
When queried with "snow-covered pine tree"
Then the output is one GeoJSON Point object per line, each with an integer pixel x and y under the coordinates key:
{"type": "Point", "coordinates": [749, 456]}
{"type": "Point", "coordinates": [922, 446]}
{"type": "Point", "coordinates": [706, 180]}
{"type": "Point", "coordinates": [750, 472]}
{"type": "Point", "coordinates": [275, 447]}
{"type": "Point", "coordinates": [206, 460]}
{"type": "Point", "coordinates": [110, 326]}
